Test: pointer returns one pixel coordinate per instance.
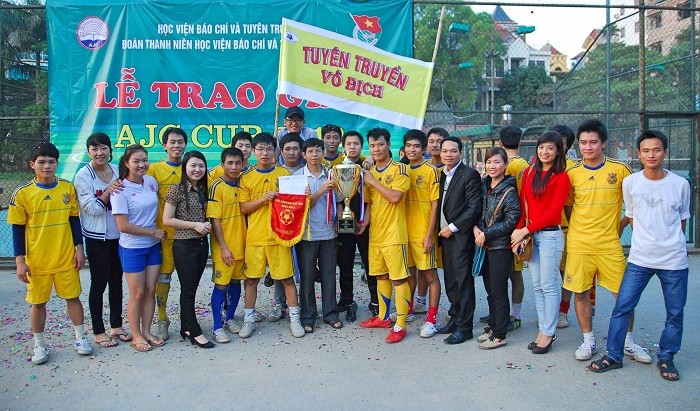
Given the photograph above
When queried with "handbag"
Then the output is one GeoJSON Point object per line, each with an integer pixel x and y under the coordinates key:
{"type": "Point", "coordinates": [525, 250]}
{"type": "Point", "coordinates": [480, 251]}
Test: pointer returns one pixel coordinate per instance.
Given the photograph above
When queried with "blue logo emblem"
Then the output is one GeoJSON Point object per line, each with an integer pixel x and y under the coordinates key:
{"type": "Point", "coordinates": [92, 33]}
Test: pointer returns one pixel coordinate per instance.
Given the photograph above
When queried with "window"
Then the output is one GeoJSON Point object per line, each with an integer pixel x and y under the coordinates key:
{"type": "Point", "coordinates": [684, 14]}
{"type": "Point", "coordinates": [655, 21]}
{"type": "Point", "coordinates": [622, 33]}
{"type": "Point", "coordinates": [636, 27]}
{"type": "Point", "coordinates": [515, 63]}
{"type": "Point", "coordinates": [656, 47]}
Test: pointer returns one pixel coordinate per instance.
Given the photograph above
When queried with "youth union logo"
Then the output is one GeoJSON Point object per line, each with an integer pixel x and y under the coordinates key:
{"type": "Point", "coordinates": [367, 29]}
{"type": "Point", "coordinates": [92, 33]}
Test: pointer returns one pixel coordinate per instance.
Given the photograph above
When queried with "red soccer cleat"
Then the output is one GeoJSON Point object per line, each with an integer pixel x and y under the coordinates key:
{"type": "Point", "coordinates": [375, 322]}
{"type": "Point", "coordinates": [395, 336]}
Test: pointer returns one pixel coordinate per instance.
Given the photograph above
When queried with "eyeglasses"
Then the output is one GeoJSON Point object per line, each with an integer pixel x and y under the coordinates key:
{"type": "Point", "coordinates": [295, 121]}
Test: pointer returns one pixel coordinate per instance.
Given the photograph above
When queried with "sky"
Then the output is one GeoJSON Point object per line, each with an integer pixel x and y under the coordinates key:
{"type": "Point", "coordinates": [563, 27]}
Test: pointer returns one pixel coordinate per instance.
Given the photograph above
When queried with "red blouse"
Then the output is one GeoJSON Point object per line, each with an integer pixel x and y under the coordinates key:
{"type": "Point", "coordinates": [543, 210]}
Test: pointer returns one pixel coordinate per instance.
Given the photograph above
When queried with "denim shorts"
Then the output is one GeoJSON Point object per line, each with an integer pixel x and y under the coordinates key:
{"type": "Point", "coordinates": [135, 260]}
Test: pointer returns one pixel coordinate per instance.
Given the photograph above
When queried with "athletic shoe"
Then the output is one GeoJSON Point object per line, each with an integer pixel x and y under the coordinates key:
{"type": "Point", "coordinates": [395, 336]}
{"type": "Point", "coordinates": [268, 281]}
{"type": "Point", "coordinates": [563, 321]}
{"type": "Point", "coordinates": [82, 346]}
{"type": "Point", "coordinates": [492, 343]}
{"type": "Point", "coordinates": [484, 319]}
{"type": "Point", "coordinates": [420, 308]}
{"type": "Point", "coordinates": [258, 316]}
{"type": "Point", "coordinates": [638, 354]}
{"type": "Point", "coordinates": [162, 329]}
{"type": "Point", "coordinates": [485, 336]}
{"type": "Point", "coordinates": [41, 355]}
{"type": "Point", "coordinates": [297, 328]}
{"type": "Point", "coordinates": [393, 316]}
{"type": "Point", "coordinates": [373, 309]}
{"type": "Point", "coordinates": [232, 326]}
{"type": "Point", "coordinates": [351, 312]}
{"type": "Point", "coordinates": [375, 322]}
{"type": "Point", "coordinates": [247, 329]}
{"type": "Point", "coordinates": [276, 314]}
{"type": "Point", "coordinates": [220, 336]}
{"type": "Point", "coordinates": [514, 324]}
{"type": "Point", "coordinates": [585, 352]}
{"type": "Point", "coordinates": [428, 330]}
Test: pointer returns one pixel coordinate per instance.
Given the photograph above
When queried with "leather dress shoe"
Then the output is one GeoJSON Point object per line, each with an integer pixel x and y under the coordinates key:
{"type": "Point", "coordinates": [458, 337]}
{"type": "Point", "coordinates": [448, 328]}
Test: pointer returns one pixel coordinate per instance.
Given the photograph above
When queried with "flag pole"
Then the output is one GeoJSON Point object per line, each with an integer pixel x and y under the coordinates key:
{"type": "Point", "coordinates": [439, 32]}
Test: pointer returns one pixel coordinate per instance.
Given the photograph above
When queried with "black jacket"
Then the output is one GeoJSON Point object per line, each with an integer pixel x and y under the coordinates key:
{"type": "Point", "coordinates": [461, 204]}
{"type": "Point", "coordinates": [498, 234]}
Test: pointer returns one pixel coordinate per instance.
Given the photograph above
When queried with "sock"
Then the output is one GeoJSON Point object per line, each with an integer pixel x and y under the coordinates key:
{"type": "Point", "coordinates": [410, 307]}
{"type": "Point", "coordinates": [629, 342]}
{"type": "Point", "coordinates": [564, 306]}
{"type": "Point", "coordinates": [249, 315]}
{"type": "Point", "coordinates": [403, 302]}
{"type": "Point", "coordinates": [589, 338]}
{"type": "Point", "coordinates": [234, 294]}
{"type": "Point", "coordinates": [384, 294]}
{"type": "Point", "coordinates": [422, 299]}
{"type": "Point", "coordinates": [432, 315]}
{"type": "Point", "coordinates": [79, 331]}
{"type": "Point", "coordinates": [217, 304]}
{"type": "Point", "coordinates": [39, 340]}
{"type": "Point", "coordinates": [515, 310]}
{"type": "Point", "coordinates": [162, 290]}
{"type": "Point", "coordinates": [294, 313]}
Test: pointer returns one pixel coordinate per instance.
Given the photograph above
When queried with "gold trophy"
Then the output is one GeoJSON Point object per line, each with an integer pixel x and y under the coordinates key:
{"type": "Point", "coordinates": [347, 178]}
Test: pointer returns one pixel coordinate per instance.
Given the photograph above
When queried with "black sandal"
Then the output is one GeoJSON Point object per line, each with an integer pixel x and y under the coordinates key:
{"type": "Point", "coordinates": [667, 367]}
{"type": "Point", "coordinates": [604, 364]}
{"type": "Point", "coordinates": [335, 324]}
{"type": "Point", "coordinates": [309, 329]}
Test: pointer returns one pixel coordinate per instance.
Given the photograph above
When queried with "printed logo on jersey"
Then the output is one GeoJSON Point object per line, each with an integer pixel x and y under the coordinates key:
{"type": "Point", "coordinates": [420, 180]}
{"type": "Point", "coordinates": [612, 178]}
{"type": "Point", "coordinates": [66, 198]}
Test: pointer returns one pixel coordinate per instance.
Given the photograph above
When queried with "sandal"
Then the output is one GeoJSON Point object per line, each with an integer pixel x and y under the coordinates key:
{"type": "Point", "coordinates": [308, 329]}
{"type": "Point", "coordinates": [666, 368]}
{"type": "Point", "coordinates": [106, 343]}
{"type": "Point", "coordinates": [141, 346]}
{"type": "Point", "coordinates": [335, 324]}
{"type": "Point", "coordinates": [156, 342]}
{"type": "Point", "coordinates": [604, 364]}
{"type": "Point", "coordinates": [123, 337]}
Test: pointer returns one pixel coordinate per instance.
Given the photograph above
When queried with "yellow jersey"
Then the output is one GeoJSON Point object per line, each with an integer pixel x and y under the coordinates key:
{"type": "Point", "coordinates": [596, 198]}
{"type": "Point", "coordinates": [388, 220]}
{"type": "Point", "coordinates": [254, 184]}
{"type": "Point", "coordinates": [215, 173]}
{"type": "Point", "coordinates": [565, 221]}
{"type": "Point", "coordinates": [515, 168]}
{"type": "Point", "coordinates": [44, 211]}
{"type": "Point", "coordinates": [224, 205]}
{"type": "Point", "coordinates": [167, 174]}
{"type": "Point", "coordinates": [424, 189]}
{"type": "Point", "coordinates": [329, 162]}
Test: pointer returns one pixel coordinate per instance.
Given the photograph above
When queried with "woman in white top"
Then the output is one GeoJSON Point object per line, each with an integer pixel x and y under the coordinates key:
{"type": "Point", "coordinates": [135, 208]}
{"type": "Point", "coordinates": [95, 183]}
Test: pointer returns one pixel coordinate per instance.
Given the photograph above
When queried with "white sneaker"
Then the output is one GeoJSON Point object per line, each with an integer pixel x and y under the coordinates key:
{"type": "Point", "coordinates": [258, 316]}
{"type": "Point", "coordinates": [297, 328]}
{"type": "Point", "coordinates": [428, 330]}
{"type": "Point", "coordinates": [485, 336]}
{"type": "Point", "coordinates": [563, 321]}
{"type": "Point", "coordinates": [638, 354]}
{"type": "Point", "coordinates": [82, 346]}
{"type": "Point", "coordinates": [247, 329]}
{"type": "Point", "coordinates": [585, 351]}
{"type": "Point", "coordinates": [162, 331]}
{"type": "Point", "coordinates": [276, 314]}
{"type": "Point", "coordinates": [232, 326]}
{"type": "Point", "coordinates": [220, 336]}
{"type": "Point", "coordinates": [420, 308]}
{"type": "Point", "coordinates": [393, 316]}
{"type": "Point", "coordinates": [41, 355]}
{"type": "Point", "coordinates": [492, 343]}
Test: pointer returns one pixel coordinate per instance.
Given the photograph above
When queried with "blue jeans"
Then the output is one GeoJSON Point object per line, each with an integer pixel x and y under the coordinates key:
{"type": "Point", "coordinates": [674, 285]}
{"type": "Point", "coordinates": [546, 280]}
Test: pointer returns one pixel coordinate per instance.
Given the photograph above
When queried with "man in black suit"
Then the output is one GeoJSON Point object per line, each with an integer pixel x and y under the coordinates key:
{"type": "Point", "coordinates": [460, 208]}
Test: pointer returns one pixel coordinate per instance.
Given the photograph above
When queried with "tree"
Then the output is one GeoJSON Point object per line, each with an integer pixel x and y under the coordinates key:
{"type": "Point", "coordinates": [526, 88]}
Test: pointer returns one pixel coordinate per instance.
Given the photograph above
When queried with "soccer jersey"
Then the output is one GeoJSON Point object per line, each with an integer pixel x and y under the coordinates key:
{"type": "Point", "coordinates": [329, 162]}
{"type": "Point", "coordinates": [565, 221]}
{"type": "Point", "coordinates": [388, 220]}
{"type": "Point", "coordinates": [254, 184]}
{"type": "Point", "coordinates": [224, 204]}
{"type": "Point", "coordinates": [138, 201]}
{"type": "Point", "coordinates": [515, 168]}
{"type": "Point", "coordinates": [44, 211]}
{"type": "Point", "coordinates": [425, 188]}
{"type": "Point", "coordinates": [166, 174]}
{"type": "Point", "coordinates": [596, 197]}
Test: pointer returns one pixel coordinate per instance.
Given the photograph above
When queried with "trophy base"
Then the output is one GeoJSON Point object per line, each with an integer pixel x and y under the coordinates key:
{"type": "Point", "coordinates": [347, 226]}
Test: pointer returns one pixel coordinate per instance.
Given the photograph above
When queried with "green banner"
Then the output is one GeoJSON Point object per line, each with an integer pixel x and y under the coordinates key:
{"type": "Point", "coordinates": [133, 68]}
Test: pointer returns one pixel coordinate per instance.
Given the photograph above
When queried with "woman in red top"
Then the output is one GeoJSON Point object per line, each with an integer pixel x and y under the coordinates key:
{"type": "Point", "coordinates": [545, 186]}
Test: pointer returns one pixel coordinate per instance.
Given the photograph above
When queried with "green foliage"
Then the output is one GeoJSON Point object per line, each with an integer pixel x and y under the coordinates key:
{"type": "Point", "coordinates": [526, 88]}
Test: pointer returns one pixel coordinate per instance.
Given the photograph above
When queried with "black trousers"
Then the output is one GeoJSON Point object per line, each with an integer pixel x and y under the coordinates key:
{"type": "Point", "coordinates": [497, 266]}
{"type": "Point", "coordinates": [190, 260]}
{"type": "Point", "coordinates": [105, 268]}
{"type": "Point", "coordinates": [457, 260]}
{"type": "Point", "coordinates": [346, 261]}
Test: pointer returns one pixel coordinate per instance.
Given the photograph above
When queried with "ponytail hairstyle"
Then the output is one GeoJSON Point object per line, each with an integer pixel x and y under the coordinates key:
{"type": "Point", "coordinates": [123, 169]}
{"type": "Point", "coordinates": [201, 185]}
{"type": "Point", "coordinates": [539, 182]}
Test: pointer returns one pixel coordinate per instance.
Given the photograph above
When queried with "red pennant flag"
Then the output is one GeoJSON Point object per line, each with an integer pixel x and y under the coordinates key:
{"type": "Point", "coordinates": [367, 23]}
{"type": "Point", "coordinates": [288, 214]}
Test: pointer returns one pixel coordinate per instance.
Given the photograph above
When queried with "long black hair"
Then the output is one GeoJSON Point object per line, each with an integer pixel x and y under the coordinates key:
{"type": "Point", "coordinates": [123, 169]}
{"type": "Point", "coordinates": [201, 186]}
{"type": "Point", "coordinates": [539, 182]}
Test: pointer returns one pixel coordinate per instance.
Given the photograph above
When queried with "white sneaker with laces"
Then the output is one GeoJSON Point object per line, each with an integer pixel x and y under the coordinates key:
{"type": "Point", "coordinates": [82, 346]}
{"type": "Point", "coordinates": [247, 329]}
{"type": "Point", "coordinates": [638, 354]}
{"type": "Point", "coordinates": [297, 328]}
{"type": "Point", "coordinates": [258, 316]}
{"type": "Point", "coordinates": [419, 308]}
{"type": "Point", "coordinates": [220, 336]}
{"type": "Point", "coordinates": [41, 355]}
{"type": "Point", "coordinates": [232, 326]}
{"type": "Point", "coordinates": [428, 330]}
{"type": "Point", "coordinates": [585, 351]}
{"type": "Point", "coordinates": [563, 321]}
{"type": "Point", "coordinates": [485, 336]}
{"type": "Point", "coordinates": [393, 316]}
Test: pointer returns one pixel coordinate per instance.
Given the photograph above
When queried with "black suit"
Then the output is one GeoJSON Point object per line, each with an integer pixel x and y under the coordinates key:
{"type": "Point", "coordinates": [462, 207]}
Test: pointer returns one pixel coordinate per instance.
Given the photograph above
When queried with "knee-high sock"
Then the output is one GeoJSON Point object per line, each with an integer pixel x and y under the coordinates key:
{"type": "Point", "coordinates": [384, 294]}
{"type": "Point", "coordinates": [217, 304]}
{"type": "Point", "coordinates": [234, 294]}
{"type": "Point", "coordinates": [403, 299]}
{"type": "Point", "coordinates": [162, 290]}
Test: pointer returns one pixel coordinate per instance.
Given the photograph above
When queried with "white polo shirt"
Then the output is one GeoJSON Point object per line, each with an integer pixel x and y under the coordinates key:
{"type": "Point", "coordinates": [140, 203]}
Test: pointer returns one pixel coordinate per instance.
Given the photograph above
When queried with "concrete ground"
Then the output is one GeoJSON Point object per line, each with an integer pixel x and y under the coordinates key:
{"type": "Point", "coordinates": [344, 369]}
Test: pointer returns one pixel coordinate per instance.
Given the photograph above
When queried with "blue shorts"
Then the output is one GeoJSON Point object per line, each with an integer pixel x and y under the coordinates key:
{"type": "Point", "coordinates": [135, 260]}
